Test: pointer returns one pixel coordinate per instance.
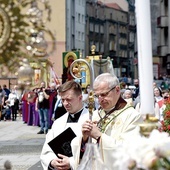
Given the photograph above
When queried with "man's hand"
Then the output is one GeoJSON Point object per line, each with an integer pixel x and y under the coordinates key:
{"type": "Point", "coordinates": [86, 129]}
{"type": "Point", "coordinates": [90, 129]}
{"type": "Point", "coordinates": [61, 163]}
{"type": "Point", "coordinates": [95, 132]}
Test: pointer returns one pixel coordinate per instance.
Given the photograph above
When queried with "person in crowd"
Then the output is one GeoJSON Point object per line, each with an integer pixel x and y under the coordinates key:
{"type": "Point", "coordinates": [158, 96]}
{"type": "Point", "coordinates": [136, 90]}
{"type": "Point", "coordinates": [160, 77]}
{"type": "Point", "coordinates": [111, 125]}
{"type": "Point", "coordinates": [42, 106]}
{"type": "Point", "coordinates": [86, 95]}
{"type": "Point", "coordinates": [127, 95]}
{"type": "Point", "coordinates": [52, 99]}
{"type": "Point", "coordinates": [125, 79]}
{"type": "Point", "coordinates": [159, 99]}
{"type": "Point", "coordinates": [59, 109]}
{"type": "Point", "coordinates": [26, 99]}
{"type": "Point", "coordinates": [123, 87]}
{"type": "Point", "coordinates": [136, 101]}
{"type": "Point", "coordinates": [13, 102]}
{"type": "Point", "coordinates": [156, 109]}
{"type": "Point", "coordinates": [6, 112]}
{"type": "Point", "coordinates": [7, 91]}
{"type": "Point", "coordinates": [155, 84]}
{"type": "Point", "coordinates": [71, 96]}
{"type": "Point", "coordinates": [31, 116]}
{"type": "Point", "coordinates": [2, 99]}
{"type": "Point", "coordinates": [129, 81]}
{"type": "Point", "coordinates": [165, 94]}
{"type": "Point", "coordinates": [18, 92]}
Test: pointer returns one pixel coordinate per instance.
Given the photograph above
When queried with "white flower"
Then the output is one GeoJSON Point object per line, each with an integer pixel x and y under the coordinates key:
{"type": "Point", "coordinates": [144, 151]}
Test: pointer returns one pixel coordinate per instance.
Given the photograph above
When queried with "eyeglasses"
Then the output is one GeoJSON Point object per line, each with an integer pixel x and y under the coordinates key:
{"type": "Point", "coordinates": [103, 95]}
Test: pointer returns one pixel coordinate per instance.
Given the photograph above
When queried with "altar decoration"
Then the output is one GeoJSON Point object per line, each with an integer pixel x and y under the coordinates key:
{"type": "Point", "coordinates": [24, 34]}
{"type": "Point", "coordinates": [12, 33]}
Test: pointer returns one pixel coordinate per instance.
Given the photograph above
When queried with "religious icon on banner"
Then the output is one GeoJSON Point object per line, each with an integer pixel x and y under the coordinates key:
{"type": "Point", "coordinates": [68, 58]}
{"type": "Point", "coordinates": [37, 76]}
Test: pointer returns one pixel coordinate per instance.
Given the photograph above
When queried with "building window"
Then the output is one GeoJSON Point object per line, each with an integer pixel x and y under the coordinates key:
{"type": "Point", "coordinates": [102, 47]}
{"type": "Point", "coordinates": [96, 13]}
{"type": "Point", "coordinates": [124, 30]}
{"type": "Point", "coordinates": [79, 18]}
{"type": "Point", "coordinates": [96, 28]}
{"type": "Point", "coordinates": [132, 20]}
{"type": "Point", "coordinates": [126, 54]}
{"type": "Point", "coordinates": [73, 7]}
{"type": "Point", "coordinates": [120, 53]}
{"type": "Point", "coordinates": [111, 16]}
{"type": "Point", "coordinates": [131, 54]}
{"type": "Point", "coordinates": [82, 36]}
{"type": "Point", "coordinates": [112, 29]}
{"type": "Point", "coordinates": [83, 19]}
{"type": "Point", "coordinates": [101, 29]}
{"type": "Point", "coordinates": [79, 36]}
{"type": "Point", "coordinates": [131, 37]}
{"type": "Point", "coordinates": [91, 43]}
{"type": "Point", "coordinates": [73, 25]}
{"type": "Point", "coordinates": [91, 27]}
{"type": "Point", "coordinates": [111, 46]}
{"type": "Point", "coordinates": [97, 46]}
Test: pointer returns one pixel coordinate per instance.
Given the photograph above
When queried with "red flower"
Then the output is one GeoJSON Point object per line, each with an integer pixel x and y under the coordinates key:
{"type": "Point", "coordinates": [167, 101]}
{"type": "Point", "coordinates": [166, 115]}
{"type": "Point", "coordinates": [168, 127]}
{"type": "Point", "coordinates": [164, 128]}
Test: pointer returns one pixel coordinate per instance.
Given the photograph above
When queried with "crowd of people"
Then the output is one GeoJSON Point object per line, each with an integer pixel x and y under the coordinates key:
{"type": "Point", "coordinates": [132, 96]}
{"type": "Point", "coordinates": [35, 107]}
{"type": "Point", "coordinates": [9, 103]}
{"type": "Point", "coordinates": [57, 108]}
{"type": "Point", "coordinates": [110, 124]}
{"type": "Point", "coordinates": [114, 120]}
{"type": "Point", "coordinates": [41, 106]}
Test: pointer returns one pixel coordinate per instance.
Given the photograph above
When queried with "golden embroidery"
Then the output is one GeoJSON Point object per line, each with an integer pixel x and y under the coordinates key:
{"type": "Point", "coordinates": [108, 118]}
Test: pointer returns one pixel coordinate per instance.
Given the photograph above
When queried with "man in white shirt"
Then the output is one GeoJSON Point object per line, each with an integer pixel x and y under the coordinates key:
{"type": "Point", "coordinates": [71, 96]}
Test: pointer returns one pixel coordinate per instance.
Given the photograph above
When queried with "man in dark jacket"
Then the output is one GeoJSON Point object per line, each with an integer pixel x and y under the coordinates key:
{"type": "Point", "coordinates": [42, 106]}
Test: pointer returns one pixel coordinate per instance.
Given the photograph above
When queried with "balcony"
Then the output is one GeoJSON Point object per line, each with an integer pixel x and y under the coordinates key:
{"type": "Point", "coordinates": [162, 50]}
{"type": "Point", "coordinates": [162, 21]}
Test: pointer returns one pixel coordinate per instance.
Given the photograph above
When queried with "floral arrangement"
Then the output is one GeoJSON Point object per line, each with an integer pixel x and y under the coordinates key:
{"type": "Point", "coordinates": [166, 115]}
{"type": "Point", "coordinates": [141, 153]}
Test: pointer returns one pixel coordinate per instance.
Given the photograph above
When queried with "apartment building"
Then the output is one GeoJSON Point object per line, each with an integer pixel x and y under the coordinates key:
{"type": "Point", "coordinates": [163, 24]}
{"type": "Point", "coordinates": [107, 29]}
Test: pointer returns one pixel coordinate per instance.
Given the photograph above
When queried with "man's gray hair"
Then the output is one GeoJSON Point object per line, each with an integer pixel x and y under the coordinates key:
{"type": "Point", "coordinates": [110, 79]}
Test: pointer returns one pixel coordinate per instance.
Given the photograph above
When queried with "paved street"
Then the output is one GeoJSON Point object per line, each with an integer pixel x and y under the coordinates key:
{"type": "Point", "coordinates": [21, 145]}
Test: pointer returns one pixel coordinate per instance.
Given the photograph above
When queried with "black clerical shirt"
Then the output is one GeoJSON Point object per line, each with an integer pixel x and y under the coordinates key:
{"type": "Point", "coordinates": [73, 118]}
